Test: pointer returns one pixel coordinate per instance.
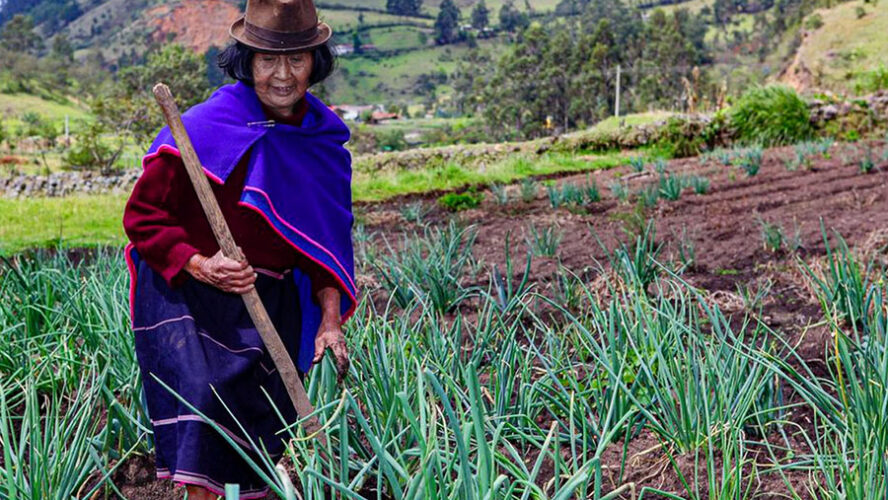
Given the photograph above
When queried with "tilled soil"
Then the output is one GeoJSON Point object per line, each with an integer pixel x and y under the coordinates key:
{"type": "Point", "coordinates": [724, 227]}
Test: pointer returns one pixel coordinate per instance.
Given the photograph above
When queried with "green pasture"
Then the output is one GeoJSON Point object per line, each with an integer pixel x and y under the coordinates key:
{"type": "Point", "coordinates": [394, 79]}
{"type": "Point", "coordinates": [15, 105]}
{"type": "Point", "coordinates": [397, 37]}
{"type": "Point", "coordinates": [74, 221]}
{"type": "Point", "coordinates": [694, 6]}
{"type": "Point", "coordinates": [430, 7]}
{"type": "Point", "coordinates": [346, 20]}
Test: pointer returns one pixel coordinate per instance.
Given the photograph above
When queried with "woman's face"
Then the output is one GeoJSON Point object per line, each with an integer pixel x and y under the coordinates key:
{"type": "Point", "coordinates": [281, 80]}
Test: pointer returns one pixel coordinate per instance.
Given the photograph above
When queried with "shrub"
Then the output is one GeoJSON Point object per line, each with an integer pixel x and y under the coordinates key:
{"type": "Point", "coordinates": [681, 138]}
{"type": "Point", "coordinates": [860, 12]}
{"type": "Point", "coordinates": [90, 152]}
{"type": "Point", "coordinates": [873, 80]}
{"type": "Point", "coordinates": [772, 115]}
{"type": "Point", "coordinates": [391, 140]}
{"type": "Point", "coordinates": [456, 202]}
{"type": "Point", "coordinates": [867, 163]}
{"type": "Point", "coordinates": [814, 22]}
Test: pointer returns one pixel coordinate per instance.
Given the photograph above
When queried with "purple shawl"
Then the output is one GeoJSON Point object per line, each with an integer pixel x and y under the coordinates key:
{"type": "Point", "coordinates": [298, 179]}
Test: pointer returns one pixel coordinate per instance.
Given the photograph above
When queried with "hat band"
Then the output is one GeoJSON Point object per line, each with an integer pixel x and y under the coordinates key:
{"type": "Point", "coordinates": [283, 38]}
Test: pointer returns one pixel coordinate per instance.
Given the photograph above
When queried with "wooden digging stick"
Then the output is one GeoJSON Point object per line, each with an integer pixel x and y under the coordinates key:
{"type": "Point", "coordinates": [270, 338]}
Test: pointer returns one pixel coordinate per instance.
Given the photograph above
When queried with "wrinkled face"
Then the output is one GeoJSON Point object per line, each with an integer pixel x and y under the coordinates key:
{"type": "Point", "coordinates": [281, 80]}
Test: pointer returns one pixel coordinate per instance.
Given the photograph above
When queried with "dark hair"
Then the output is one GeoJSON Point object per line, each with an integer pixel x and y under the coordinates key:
{"type": "Point", "coordinates": [237, 62]}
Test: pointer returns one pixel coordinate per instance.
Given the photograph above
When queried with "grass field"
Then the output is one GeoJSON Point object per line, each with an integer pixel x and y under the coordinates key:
{"type": "Point", "coordinates": [398, 37]}
{"type": "Point", "coordinates": [431, 6]}
{"type": "Point", "coordinates": [345, 20]}
{"type": "Point", "coordinates": [96, 220]}
{"type": "Point", "coordinates": [70, 221]}
{"type": "Point", "coordinates": [13, 106]}
{"type": "Point", "coordinates": [393, 79]}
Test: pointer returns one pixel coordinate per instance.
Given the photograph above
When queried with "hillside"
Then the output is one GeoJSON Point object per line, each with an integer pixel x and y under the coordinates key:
{"type": "Point", "coordinates": [845, 52]}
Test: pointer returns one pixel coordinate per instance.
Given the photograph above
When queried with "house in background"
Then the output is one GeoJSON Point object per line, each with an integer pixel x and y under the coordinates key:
{"type": "Point", "coordinates": [353, 113]}
{"type": "Point", "coordinates": [383, 117]}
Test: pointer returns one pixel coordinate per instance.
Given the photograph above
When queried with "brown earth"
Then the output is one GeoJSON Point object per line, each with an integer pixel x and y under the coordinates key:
{"type": "Point", "coordinates": [725, 228]}
{"type": "Point", "coordinates": [196, 24]}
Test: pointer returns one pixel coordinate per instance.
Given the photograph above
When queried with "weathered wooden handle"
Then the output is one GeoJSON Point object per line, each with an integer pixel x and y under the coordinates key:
{"type": "Point", "coordinates": [270, 338]}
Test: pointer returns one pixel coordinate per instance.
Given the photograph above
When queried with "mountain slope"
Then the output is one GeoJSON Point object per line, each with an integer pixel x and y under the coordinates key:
{"type": "Point", "coordinates": [845, 53]}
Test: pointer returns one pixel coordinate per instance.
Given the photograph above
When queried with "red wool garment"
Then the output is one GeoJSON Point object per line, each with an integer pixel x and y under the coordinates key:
{"type": "Point", "coordinates": [166, 223]}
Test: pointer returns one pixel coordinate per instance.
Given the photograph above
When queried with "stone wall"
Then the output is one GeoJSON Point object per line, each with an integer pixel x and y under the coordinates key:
{"type": "Point", "coordinates": [67, 183]}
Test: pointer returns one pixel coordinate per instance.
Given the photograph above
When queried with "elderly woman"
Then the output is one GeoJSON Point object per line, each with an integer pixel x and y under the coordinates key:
{"type": "Point", "coordinates": [275, 156]}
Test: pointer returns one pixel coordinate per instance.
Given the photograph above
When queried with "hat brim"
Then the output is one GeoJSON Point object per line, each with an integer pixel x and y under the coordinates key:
{"type": "Point", "coordinates": [238, 32]}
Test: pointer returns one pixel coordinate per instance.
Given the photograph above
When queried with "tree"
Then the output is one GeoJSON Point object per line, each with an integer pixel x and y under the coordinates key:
{"type": "Point", "coordinates": [128, 107]}
{"type": "Point", "coordinates": [511, 19]}
{"type": "Point", "coordinates": [62, 48]}
{"type": "Point", "coordinates": [403, 7]}
{"type": "Point", "coordinates": [447, 23]}
{"type": "Point", "coordinates": [480, 16]}
{"type": "Point", "coordinates": [357, 44]}
{"type": "Point", "coordinates": [18, 35]}
{"type": "Point", "coordinates": [513, 103]}
{"type": "Point", "coordinates": [215, 75]}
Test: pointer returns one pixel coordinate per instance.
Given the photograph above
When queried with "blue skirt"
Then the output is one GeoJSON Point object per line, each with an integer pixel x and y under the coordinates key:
{"type": "Point", "coordinates": [201, 343]}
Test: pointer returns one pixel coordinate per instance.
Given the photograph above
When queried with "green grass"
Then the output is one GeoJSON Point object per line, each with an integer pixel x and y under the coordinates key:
{"type": "Point", "coordinates": [346, 20]}
{"type": "Point", "coordinates": [694, 6]}
{"type": "Point", "coordinates": [379, 186]}
{"type": "Point", "coordinates": [15, 105]}
{"type": "Point", "coordinates": [393, 79]}
{"type": "Point", "coordinates": [396, 37]}
{"type": "Point", "coordinates": [770, 116]}
{"type": "Point", "coordinates": [430, 7]}
{"type": "Point", "coordinates": [614, 124]}
{"type": "Point", "coordinates": [96, 220]}
{"type": "Point", "coordinates": [75, 221]}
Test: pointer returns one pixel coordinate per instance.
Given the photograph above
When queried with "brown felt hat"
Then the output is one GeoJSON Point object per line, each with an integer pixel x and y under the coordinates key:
{"type": "Point", "coordinates": [280, 26]}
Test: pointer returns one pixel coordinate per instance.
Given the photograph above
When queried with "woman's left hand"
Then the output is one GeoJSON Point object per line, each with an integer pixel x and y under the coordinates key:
{"type": "Point", "coordinates": [330, 335]}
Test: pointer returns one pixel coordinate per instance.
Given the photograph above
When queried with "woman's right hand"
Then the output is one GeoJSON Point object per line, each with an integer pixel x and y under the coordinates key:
{"type": "Point", "coordinates": [223, 273]}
